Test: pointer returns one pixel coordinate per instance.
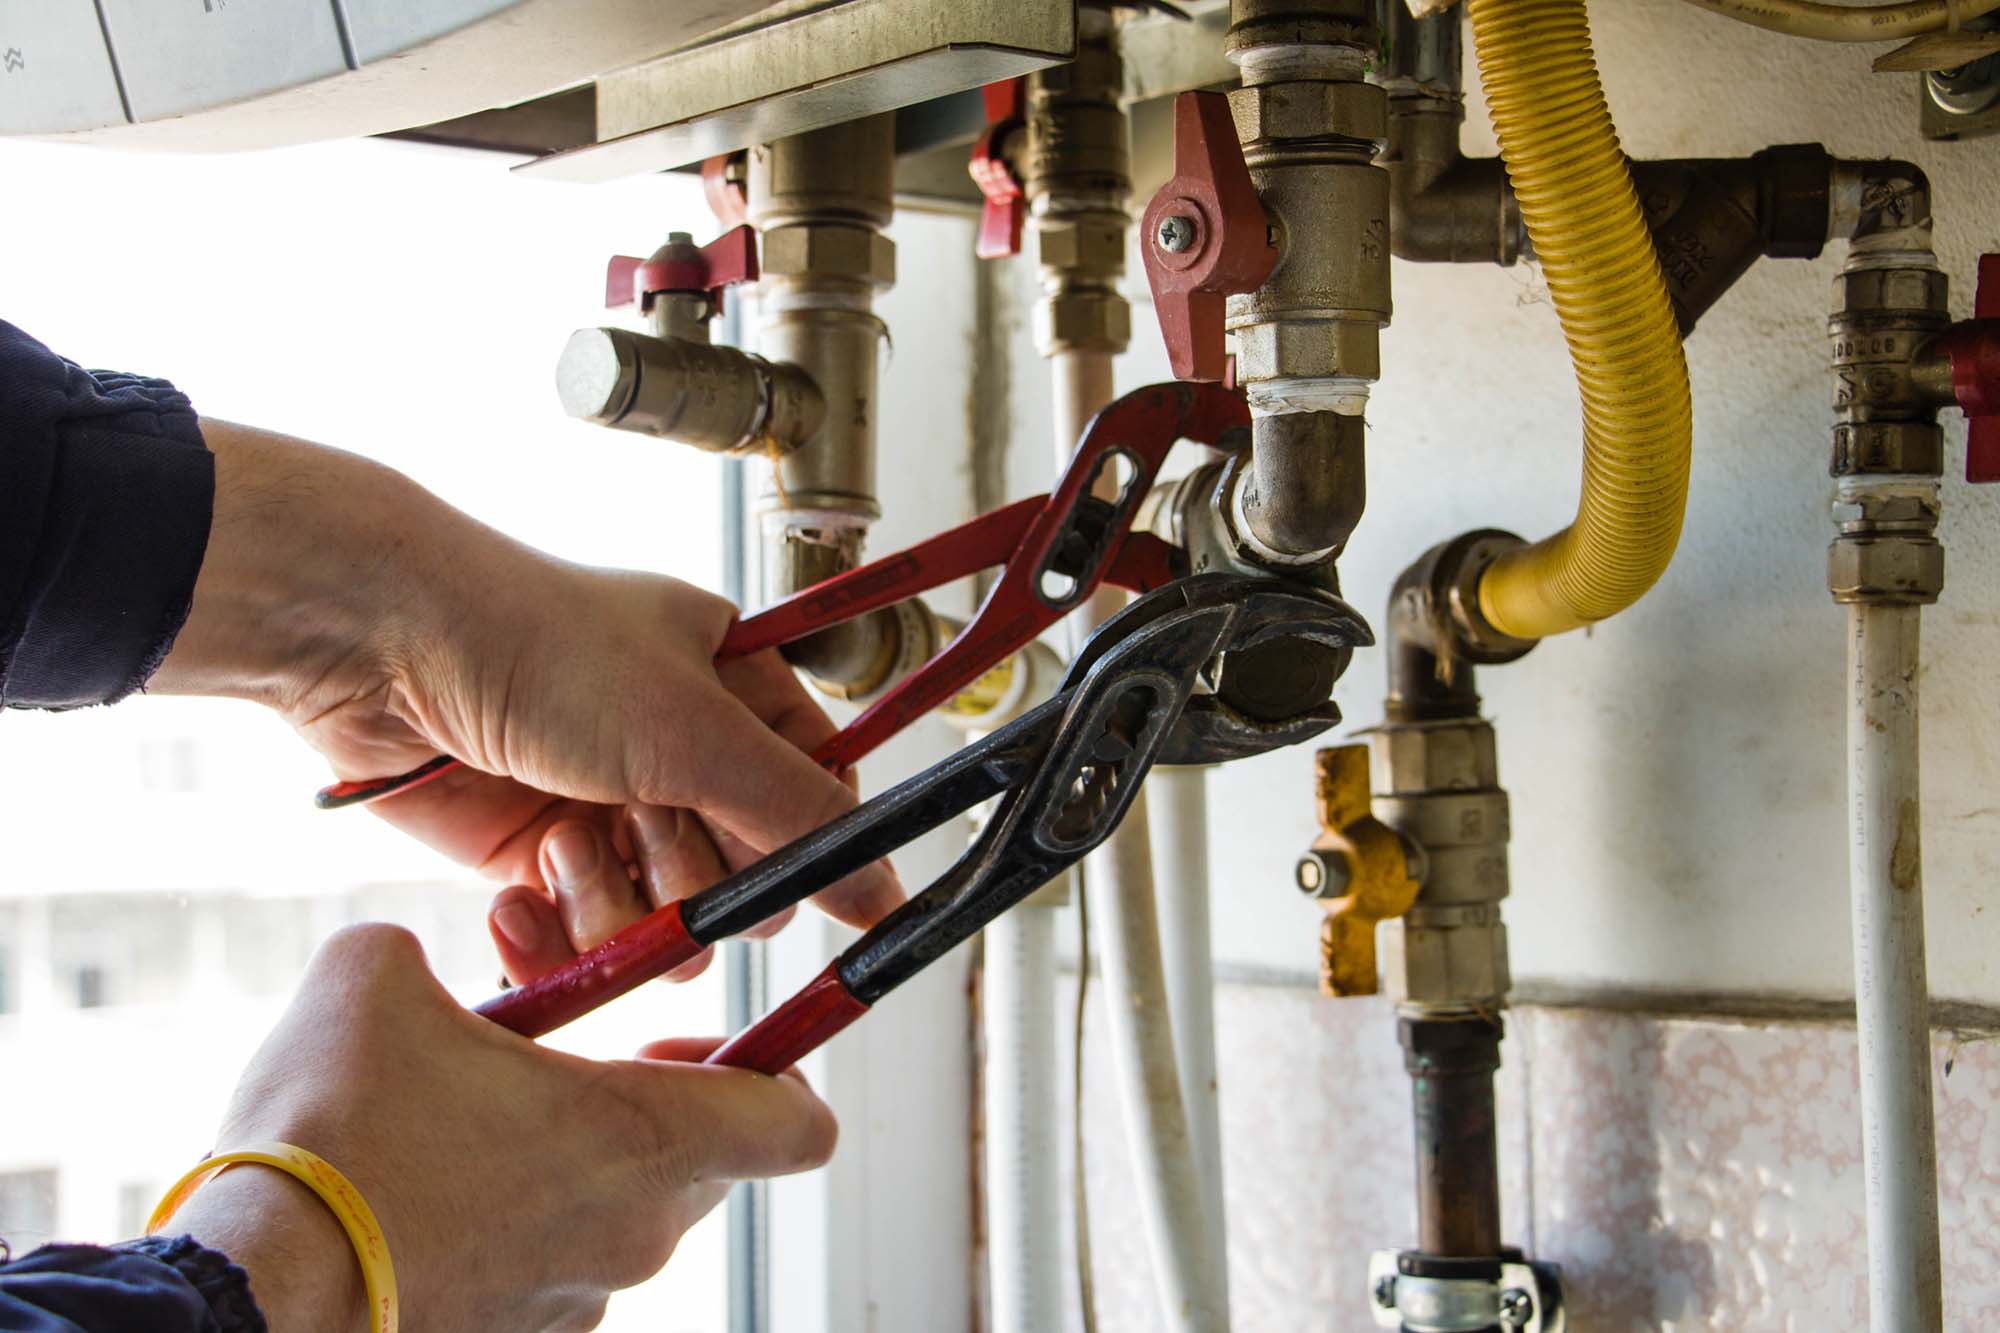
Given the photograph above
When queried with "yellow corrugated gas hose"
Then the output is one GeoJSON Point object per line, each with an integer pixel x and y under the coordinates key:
{"type": "Point", "coordinates": [1576, 196]}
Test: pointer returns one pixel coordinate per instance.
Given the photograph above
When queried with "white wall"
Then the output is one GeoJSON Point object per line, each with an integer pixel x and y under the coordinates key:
{"type": "Point", "coordinates": [1676, 774]}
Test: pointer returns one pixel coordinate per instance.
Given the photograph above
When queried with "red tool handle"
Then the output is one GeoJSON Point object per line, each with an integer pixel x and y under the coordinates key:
{"type": "Point", "coordinates": [651, 947]}
{"type": "Point", "coordinates": [342, 794]}
{"type": "Point", "coordinates": [795, 1029]}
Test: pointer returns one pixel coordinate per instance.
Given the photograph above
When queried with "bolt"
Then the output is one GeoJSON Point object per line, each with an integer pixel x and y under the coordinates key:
{"type": "Point", "coordinates": [1176, 234]}
{"type": "Point", "coordinates": [1385, 1291]}
{"type": "Point", "coordinates": [1319, 875]}
{"type": "Point", "coordinates": [1517, 1308]}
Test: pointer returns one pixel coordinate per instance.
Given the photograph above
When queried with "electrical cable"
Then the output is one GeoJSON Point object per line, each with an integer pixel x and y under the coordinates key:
{"type": "Point", "coordinates": [1850, 23]}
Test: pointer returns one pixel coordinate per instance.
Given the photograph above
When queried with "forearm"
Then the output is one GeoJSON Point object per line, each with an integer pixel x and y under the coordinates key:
{"type": "Point", "coordinates": [326, 574]}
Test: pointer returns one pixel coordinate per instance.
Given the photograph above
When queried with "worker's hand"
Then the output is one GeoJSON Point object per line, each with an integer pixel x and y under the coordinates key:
{"type": "Point", "coordinates": [388, 627]}
{"type": "Point", "coordinates": [516, 1187]}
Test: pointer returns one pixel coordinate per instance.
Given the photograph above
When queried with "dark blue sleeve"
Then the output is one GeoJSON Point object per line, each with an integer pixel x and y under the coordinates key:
{"type": "Point", "coordinates": [106, 491]}
{"type": "Point", "coordinates": [156, 1285]}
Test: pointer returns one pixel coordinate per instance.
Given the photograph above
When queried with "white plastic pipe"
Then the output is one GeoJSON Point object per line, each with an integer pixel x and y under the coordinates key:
{"type": "Point", "coordinates": [1023, 1200]}
{"type": "Point", "coordinates": [1183, 1234]}
{"type": "Point", "coordinates": [1891, 990]}
{"type": "Point", "coordinates": [1180, 871]}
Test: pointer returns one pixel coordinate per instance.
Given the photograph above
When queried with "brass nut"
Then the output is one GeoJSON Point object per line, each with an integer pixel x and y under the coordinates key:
{"type": "Point", "coordinates": [819, 250]}
{"type": "Point", "coordinates": [1887, 446]}
{"type": "Point", "coordinates": [1089, 321]}
{"type": "Point", "coordinates": [1418, 758]}
{"type": "Point", "coordinates": [1087, 247]}
{"type": "Point", "coordinates": [1308, 349]}
{"type": "Point", "coordinates": [1445, 966]}
{"type": "Point", "coordinates": [1892, 570]}
{"type": "Point", "coordinates": [1312, 109]}
{"type": "Point", "coordinates": [1890, 289]}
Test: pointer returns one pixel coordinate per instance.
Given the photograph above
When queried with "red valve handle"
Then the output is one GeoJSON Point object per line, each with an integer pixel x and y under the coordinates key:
{"type": "Point", "coordinates": [1205, 236]}
{"type": "Point", "coordinates": [725, 261]}
{"type": "Point", "coordinates": [1006, 202]}
{"type": "Point", "coordinates": [1974, 349]}
{"type": "Point", "coordinates": [728, 197]}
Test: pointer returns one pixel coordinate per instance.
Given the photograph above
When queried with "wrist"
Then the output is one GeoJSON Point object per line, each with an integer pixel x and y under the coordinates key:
{"type": "Point", "coordinates": [321, 576]}
{"type": "Point", "coordinates": [302, 1269]}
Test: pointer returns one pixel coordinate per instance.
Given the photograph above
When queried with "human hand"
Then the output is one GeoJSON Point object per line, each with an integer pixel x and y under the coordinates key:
{"type": "Point", "coordinates": [388, 627]}
{"type": "Point", "coordinates": [517, 1187]}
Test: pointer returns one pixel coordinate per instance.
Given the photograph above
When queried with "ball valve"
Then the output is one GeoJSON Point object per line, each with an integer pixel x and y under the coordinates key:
{"type": "Point", "coordinates": [1205, 236]}
{"type": "Point", "coordinates": [674, 384]}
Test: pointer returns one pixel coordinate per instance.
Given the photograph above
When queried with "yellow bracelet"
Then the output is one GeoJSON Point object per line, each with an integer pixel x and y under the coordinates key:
{"type": "Point", "coordinates": [378, 1275]}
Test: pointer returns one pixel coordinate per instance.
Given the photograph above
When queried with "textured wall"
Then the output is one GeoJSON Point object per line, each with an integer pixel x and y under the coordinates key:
{"type": "Point", "coordinates": [1688, 1175]}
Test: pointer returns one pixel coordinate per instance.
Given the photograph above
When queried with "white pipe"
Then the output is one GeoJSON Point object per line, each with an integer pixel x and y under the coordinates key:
{"type": "Point", "coordinates": [1891, 992]}
{"type": "Point", "coordinates": [1023, 1198]}
{"type": "Point", "coordinates": [1183, 1234]}
{"type": "Point", "coordinates": [1180, 869]}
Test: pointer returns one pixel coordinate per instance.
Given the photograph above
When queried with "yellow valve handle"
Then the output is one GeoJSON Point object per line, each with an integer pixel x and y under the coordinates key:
{"type": "Point", "coordinates": [1380, 885]}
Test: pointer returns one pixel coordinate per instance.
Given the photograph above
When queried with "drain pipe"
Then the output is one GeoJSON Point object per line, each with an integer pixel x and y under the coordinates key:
{"type": "Point", "coordinates": [1077, 176]}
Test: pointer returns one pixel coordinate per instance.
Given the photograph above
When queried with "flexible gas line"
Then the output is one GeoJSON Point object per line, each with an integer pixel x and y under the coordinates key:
{"type": "Point", "coordinates": [1576, 196]}
{"type": "Point", "coordinates": [1851, 23]}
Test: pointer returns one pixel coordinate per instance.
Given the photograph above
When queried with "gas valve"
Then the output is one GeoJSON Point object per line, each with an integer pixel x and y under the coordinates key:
{"type": "Point", "coordinates": [1006, 201]}
{"type": "Point", "coordinates": [1360, 869]}
{"type": "Point", "coordinates": [679, 268]}
{"type": "Point", "coordinates": [1972, 350]}
{"type": "Point", "coordinates": [1205, 236]}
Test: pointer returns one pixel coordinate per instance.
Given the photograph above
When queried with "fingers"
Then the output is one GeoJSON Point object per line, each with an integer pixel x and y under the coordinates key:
{"type": "Point", "coordinates": [593, 894]}
{"type": "Point", "coordinates": [527, 933]}
{"type": "Point", "coordinates": [758, 786]}
{"type": "Point", "coordinates": [744, 1126]}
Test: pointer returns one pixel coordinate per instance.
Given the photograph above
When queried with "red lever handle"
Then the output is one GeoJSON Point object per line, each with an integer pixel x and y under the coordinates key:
{"type": "Point", "coordinates": [1205, 236]}
{"type": "Point", "coordinates": [1006, 202]}
{"type": "Point", "coordinates": [725, 261]}
{"type": "Point", "coordinates": [722, 183]}
{"type": "Point", "coordinates": [1974, 349]}
{"type": "Point", "coordinates": [795, 1029]}
{"type": "Point", "coordinates": [651, 947]}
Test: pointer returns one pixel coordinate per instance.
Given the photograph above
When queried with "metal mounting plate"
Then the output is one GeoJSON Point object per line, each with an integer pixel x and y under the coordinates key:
{"type": "Point", "coordinates": [803, 65]}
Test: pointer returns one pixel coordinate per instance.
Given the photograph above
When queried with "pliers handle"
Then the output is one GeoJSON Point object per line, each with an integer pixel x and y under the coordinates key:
{"type": "Point", "coordinates": [1066, 771]}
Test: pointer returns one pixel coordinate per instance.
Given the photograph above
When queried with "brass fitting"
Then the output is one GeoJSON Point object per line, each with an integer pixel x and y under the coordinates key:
{"type": "Point", "coordinates": [1437, 784]}
{"type": "Point", "coordinates": [715, 398]}
{"type": "Point", "coordinates": [1076, 171]}
{"type": "Point", "coordinates": [1360, 870]}
{"type": "Point", "coordinates": [1887, 552]}
{"type": "Point", "coordinates": [830, 252]}
{"type": "Point", "coordinates": [1308, 340]}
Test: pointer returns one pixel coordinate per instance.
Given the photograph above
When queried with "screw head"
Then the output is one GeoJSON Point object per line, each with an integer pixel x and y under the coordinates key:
{"type": "Point", "coordinates": [1385, 1291]}
{"type": "Point", "coordinates": [1176, 233]}
{"type": "Point", "coordinates": [1517, 1307]}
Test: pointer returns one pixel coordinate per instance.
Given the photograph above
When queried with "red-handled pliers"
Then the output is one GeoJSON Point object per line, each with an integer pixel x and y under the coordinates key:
{"type": "Point", "coordinates": [1056, 550]}
{"type": "Point", "coordinates": [1066, 772]}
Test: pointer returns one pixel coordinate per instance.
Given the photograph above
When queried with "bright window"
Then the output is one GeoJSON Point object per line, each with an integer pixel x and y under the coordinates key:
{"type": "Point", "coordinates": [163, 875]}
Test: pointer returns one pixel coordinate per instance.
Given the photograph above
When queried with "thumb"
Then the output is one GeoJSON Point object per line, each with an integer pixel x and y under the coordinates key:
{"type": "Point", "coordinates": [732, 1124]}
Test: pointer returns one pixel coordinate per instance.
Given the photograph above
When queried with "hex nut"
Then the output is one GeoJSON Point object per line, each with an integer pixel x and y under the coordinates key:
{"type": "Point", "coordinates": [1308, 349]}
{"type": "Point", "coordinates": [1312, 109]}
{"type": "Point", "coordinates": [1870, 289]}
{"type": "Point", "coordinates": [1893, 570]}
{"type": "Point", "coordinates": [1453, 966]}
{"type": "Point", "coordinates": [1416, 758]}
{"type": "Point", "coordinates": [1086, 320]}
{"type": "Point", "coordinates": [819, 250]}
{"type": "Point", "coordinates": [1087, 246]}
{"type": "Point", "coordinates": [1887, 446]}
